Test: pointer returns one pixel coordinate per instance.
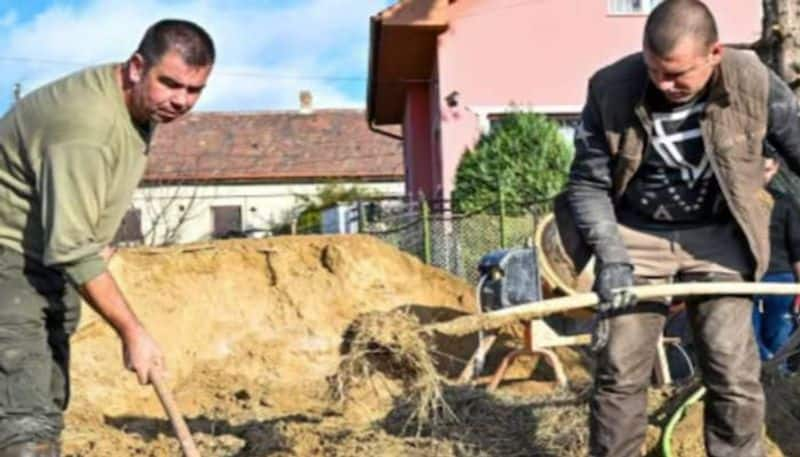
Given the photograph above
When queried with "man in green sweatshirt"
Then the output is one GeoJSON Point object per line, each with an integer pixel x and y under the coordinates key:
{"type": "Point", "coordinates": [71, 156]}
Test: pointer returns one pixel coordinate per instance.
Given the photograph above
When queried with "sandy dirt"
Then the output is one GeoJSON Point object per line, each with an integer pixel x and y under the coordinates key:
{"type": "Point", "coordinates": [252, 331]}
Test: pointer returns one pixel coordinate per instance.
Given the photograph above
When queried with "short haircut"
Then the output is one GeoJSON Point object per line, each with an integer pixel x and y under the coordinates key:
{"type": "Point", "coordinates": [673, 20]}
{"type": "Point", "coordinates": [187, 38]}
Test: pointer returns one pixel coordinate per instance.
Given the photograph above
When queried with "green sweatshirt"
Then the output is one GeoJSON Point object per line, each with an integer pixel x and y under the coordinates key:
{"type": "Point", "coordinates": [70, 160]}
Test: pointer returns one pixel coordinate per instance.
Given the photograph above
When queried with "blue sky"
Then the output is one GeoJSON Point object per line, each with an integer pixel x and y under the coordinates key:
{"type": "Point", "coordinates": [268, 50]}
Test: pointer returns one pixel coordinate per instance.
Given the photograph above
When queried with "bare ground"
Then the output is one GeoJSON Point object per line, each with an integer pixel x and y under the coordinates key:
{"type": "Point", "coordinates": [253, 332]}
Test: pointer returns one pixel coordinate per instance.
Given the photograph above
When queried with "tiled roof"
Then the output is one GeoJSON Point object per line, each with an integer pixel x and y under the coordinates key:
{"type": "Point", "coordinates": [272, 146]}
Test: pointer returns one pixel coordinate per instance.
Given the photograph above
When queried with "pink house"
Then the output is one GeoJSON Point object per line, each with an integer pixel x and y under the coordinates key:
{"type": "Point", "coordinates": [443, 69]}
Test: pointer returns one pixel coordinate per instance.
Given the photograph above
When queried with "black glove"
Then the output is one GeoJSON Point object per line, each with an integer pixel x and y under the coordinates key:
{"type": "Point", "coordinates": [614, 276]}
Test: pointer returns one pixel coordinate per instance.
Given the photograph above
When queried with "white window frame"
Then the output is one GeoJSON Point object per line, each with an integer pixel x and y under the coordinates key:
{"type": "Point", "coordinates": [630, 7]}
{"type": "Point", "coordinates": [485, 112]}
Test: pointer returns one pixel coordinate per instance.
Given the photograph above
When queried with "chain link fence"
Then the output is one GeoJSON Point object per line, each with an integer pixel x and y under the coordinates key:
{"type": "Point", "coordinates": [454, 242]}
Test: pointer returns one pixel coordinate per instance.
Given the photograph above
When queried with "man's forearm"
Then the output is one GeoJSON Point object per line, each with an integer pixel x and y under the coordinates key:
{"type": "Point", "coordinates": [141, 353]}
{"type": "Point", "coordinates": [105, 297]}
{"type": "Point", "coordinates": [590, 185]}
{"type": "Point", "coordinates": [594, 217]}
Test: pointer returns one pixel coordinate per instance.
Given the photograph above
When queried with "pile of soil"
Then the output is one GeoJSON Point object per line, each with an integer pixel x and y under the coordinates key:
{"type": "Point", "coordinates": [253, 331]}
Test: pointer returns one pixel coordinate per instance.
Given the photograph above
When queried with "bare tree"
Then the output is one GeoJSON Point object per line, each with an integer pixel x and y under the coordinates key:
{"type": "Point", "coordinates": [780, 40]}
{"type": "Point", "coordinates": [169, 208]}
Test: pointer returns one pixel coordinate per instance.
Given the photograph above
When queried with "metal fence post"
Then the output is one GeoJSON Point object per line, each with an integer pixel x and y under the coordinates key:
{"type": "Point", "coordinates": [502, 199]}
{"type": "Point", "coordinates": [362, 219]}
{"type": "Point", "coordinates": [426, 231]}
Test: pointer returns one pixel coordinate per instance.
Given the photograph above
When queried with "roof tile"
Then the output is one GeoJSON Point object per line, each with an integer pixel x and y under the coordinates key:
{"type": "Point", "coordinates": [272, 145]}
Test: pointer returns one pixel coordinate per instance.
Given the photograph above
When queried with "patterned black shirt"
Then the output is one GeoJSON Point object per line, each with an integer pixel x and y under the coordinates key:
{"type": "Point", "coordinates": [675, 185]}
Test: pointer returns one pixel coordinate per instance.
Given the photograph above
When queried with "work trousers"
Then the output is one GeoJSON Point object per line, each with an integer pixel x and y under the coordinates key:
{"type": "Point", "coordinates": [723, 338]}
{"type": "Point", "coordinates": [39, 311]}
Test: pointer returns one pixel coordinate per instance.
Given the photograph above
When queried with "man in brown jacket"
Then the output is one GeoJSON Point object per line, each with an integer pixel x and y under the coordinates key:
{"type": "Point", "coordinates": [664, 188]}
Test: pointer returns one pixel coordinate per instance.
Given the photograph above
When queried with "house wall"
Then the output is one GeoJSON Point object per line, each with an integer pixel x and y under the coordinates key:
{"type": "Point", "coordinates": [539, 54]}
{"type": "Point", "coordinates": [186, 210]}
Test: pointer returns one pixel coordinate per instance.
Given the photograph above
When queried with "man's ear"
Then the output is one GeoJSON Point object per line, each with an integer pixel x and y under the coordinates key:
{"type": "Point", "coordinates": [137, 67]}
{"type": "Point", "coordinates": [716, 53]}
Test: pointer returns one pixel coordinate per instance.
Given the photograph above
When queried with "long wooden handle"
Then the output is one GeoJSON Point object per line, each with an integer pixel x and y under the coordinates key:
{"type": "Point", "coordinates": [175, 417]}
{"type": "Point", "coordinates": [496, 319]}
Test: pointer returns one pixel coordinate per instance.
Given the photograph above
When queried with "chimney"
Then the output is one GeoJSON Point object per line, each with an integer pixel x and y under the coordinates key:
{"type": "Point", "coordinates": [306, 106]}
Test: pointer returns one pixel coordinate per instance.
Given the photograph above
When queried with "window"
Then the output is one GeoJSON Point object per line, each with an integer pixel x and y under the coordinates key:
{"type": "Point", "coordinates": [130, 230]}
{"type": "Point", "coordinates": [631, 6]}
{"type": "Point", "coordinates": [227, 221]}
{"type": "Point", "coordinates": [567, 122]}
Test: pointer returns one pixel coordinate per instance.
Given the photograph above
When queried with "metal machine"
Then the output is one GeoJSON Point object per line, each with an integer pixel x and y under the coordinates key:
{"type": "Point", "coordinates": [509, 278]}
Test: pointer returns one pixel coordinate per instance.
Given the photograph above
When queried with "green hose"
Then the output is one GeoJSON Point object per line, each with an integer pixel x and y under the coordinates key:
{"type": "Point", "coordinates": [666, 440]}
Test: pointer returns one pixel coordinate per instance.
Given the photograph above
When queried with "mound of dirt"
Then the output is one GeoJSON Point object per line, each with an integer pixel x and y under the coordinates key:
{"type": "Point", "coordinates": [251, 329]}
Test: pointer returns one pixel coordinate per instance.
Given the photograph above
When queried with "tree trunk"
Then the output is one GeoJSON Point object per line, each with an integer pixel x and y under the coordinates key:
{"type": "Point", "coordinates": [780, 40]}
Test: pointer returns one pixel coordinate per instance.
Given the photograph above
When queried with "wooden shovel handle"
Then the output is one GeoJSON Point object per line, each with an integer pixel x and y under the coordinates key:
{"type": "Point", "coordinates": [175, 417]}
{"type": "Point", "coordinates": [495, 319]}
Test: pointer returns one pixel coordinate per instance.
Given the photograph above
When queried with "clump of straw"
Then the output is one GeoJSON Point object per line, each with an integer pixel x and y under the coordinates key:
{"type": "Point", "coordinates": [395, 345]}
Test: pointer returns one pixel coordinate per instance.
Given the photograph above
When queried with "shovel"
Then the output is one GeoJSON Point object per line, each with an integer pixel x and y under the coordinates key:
{"type": "Point", "coordinates": [175, 417]}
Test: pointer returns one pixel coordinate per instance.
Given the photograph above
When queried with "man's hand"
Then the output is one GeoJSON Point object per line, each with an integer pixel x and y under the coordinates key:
{"type": "Point", "coordinates": [610, 277]}
{"type": "Point", "coordinates": [107, 253]}
{"type": "Point", "coordinates": [141, 354]}
{"type": "Point", "coordinates": [796, 304]}
{"type": "Point", "coordinates": [614, 276]}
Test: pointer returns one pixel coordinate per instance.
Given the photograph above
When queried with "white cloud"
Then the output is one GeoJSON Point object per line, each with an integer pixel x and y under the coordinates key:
{"type": "Point", "coordinates": [228, 92]}
{"type": "Point", "coordinates": [308, 38]}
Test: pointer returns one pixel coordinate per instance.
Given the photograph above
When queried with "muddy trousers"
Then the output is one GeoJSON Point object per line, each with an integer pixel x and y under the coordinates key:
{"type": "Point", "coordinates": [729, 364]}
{"type": "Point", "coordinates": [38, 313]}
{"type": "Point", "coordinates": [723, 338]}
